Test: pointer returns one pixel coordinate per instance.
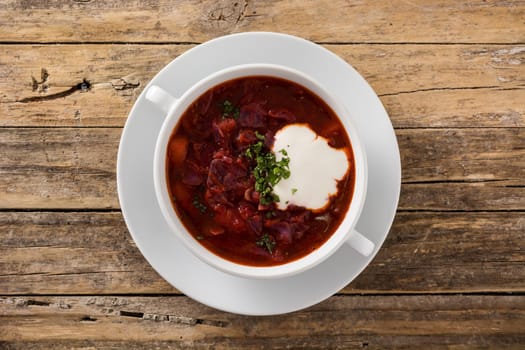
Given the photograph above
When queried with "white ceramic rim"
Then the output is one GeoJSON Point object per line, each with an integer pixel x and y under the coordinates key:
{"type": "Point", "coordinates": [345, 229]}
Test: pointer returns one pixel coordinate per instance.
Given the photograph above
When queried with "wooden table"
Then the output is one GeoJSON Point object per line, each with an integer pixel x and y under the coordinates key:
{"type": "Point", "coordinates": [451, 75]}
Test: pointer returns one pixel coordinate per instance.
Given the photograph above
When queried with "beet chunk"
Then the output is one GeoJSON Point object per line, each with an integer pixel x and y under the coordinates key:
{"type": "Point", "coordinates": [283, 114]}
{"type": "Point", "coordinates": [252, 217]}
{"type": "Point", "coordinates": [252, 115]}
{"type": "Point", "coordinates": [289, 226]}
{"type": "Point", "coordinates": [230, 219]}
{"type": "Point", "coordinates": [228, 179]}
{"type": "Point", "coordinates": [192, 174]}
{"type": "Point", "coordinates": [222, 132]}
{"type": "Point", "coordinates": [226, 174]}
{"type": "Point", "coordinates": [246, 137]}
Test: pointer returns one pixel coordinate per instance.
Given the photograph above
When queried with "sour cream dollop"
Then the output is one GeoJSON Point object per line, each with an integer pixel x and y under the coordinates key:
{"type": "Point", "coordinates": [315, 167]}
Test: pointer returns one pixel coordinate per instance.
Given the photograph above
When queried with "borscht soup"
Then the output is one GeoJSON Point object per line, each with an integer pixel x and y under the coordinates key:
{"type": "Point", "coordinates": [260, 171]}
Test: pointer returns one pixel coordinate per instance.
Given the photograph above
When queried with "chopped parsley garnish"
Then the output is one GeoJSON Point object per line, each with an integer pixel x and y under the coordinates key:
{"type": "Point", "coordinates": [270, 214]}
{"type": "Point", "coordinates": [229, 110]}
{"type": "Point", "coordinates": [266, 241]}
{"type": "Point", "coordinates": [201, 206]}
{"type": "Point", "coordinates": [254, 150]}
{"type": "Point", "coordinates": [294, 190]}
{"type": "Point", "coordinates": [268, 171]}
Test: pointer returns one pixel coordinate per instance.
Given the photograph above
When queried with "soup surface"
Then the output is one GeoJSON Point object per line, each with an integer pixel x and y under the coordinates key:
{"type": "Point", "coordinates": [221, 171]}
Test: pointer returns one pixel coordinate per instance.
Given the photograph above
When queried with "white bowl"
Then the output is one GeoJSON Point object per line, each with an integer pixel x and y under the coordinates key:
{"type": "Point", "coordinates": [175, 107]}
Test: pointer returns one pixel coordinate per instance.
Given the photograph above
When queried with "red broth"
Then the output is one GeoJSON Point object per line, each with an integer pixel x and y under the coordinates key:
{"type": "Point", "coordinates": [210, 177]}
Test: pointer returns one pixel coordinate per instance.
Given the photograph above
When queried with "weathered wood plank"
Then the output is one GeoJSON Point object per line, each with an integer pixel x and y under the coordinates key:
{"type": "Point", "coordinates": [420, 85]}
{"type": "Point", "coordinates": [462, 155]}
{"type": "Point", "coordinates": [72, 253]}
{"type": "Point", "coordinates": [75, 168]}
{"type": "Point", "coordinates": [329, 21]}
{"type": "Point", "coordinates": [116, 76]}
{"type": "Point", "coordinates": [370, 322]}
{"type": "Point", "coordinates": [90, 253]}
{"type": "Point", "coordinates": [58, 168]}
{"type": "Point", "coordinates": [449, 252]}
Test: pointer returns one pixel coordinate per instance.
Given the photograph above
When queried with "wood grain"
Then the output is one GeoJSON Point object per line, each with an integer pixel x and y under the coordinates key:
{"type": "Point", "coordinates": [450, 275]}
{"type": "Point", "coordinates": [425, 252]}
{"type": "Point", "coordinates": [72, 253]}
{"type": "Point", "coordinates": [58, 168]}
{"type": "Point", "coordinates": [443, 169]}
{"type": "Point", "coordinates": [325, 20]}
{"type": "Point", "coordinates": [420, 85]}
{"type": "Point", "coordinates": [177, 322]}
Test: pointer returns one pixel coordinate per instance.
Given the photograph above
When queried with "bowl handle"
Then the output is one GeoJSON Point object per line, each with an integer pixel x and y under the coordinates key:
{"type": "Point", "coordinates": [363, 245]}
{"type": "Point", "coordinates": [160, 98]}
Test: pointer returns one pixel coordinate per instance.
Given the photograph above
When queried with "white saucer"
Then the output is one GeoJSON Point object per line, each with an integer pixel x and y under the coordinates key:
{"type": "Point", "coordinates": [181, 268]}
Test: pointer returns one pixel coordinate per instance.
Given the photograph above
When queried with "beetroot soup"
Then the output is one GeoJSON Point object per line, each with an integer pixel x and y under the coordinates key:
{"type": "Point", "coordinates": [260, 171]}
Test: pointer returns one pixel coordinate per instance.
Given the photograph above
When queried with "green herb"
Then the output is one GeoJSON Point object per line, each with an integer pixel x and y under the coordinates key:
{"type": "Point", "coordinates": [270, 214]}
{"type": "Point", "coordinates": [294, 190]}
{"type": "Point", "coordinates": [229, 110]}
{"type": "Point", "coordinates": [201, 206]}
{"type": "Point", "coordinates": [254, 150]}
{"type": "Point", "coordinates": [259, 136]}
{"type": "Point", "coordinates": [268, 171]}
{"type": "Point", "coordinates": [266, 241]}
{"type": "Point", "coordinates": [200, 237]}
